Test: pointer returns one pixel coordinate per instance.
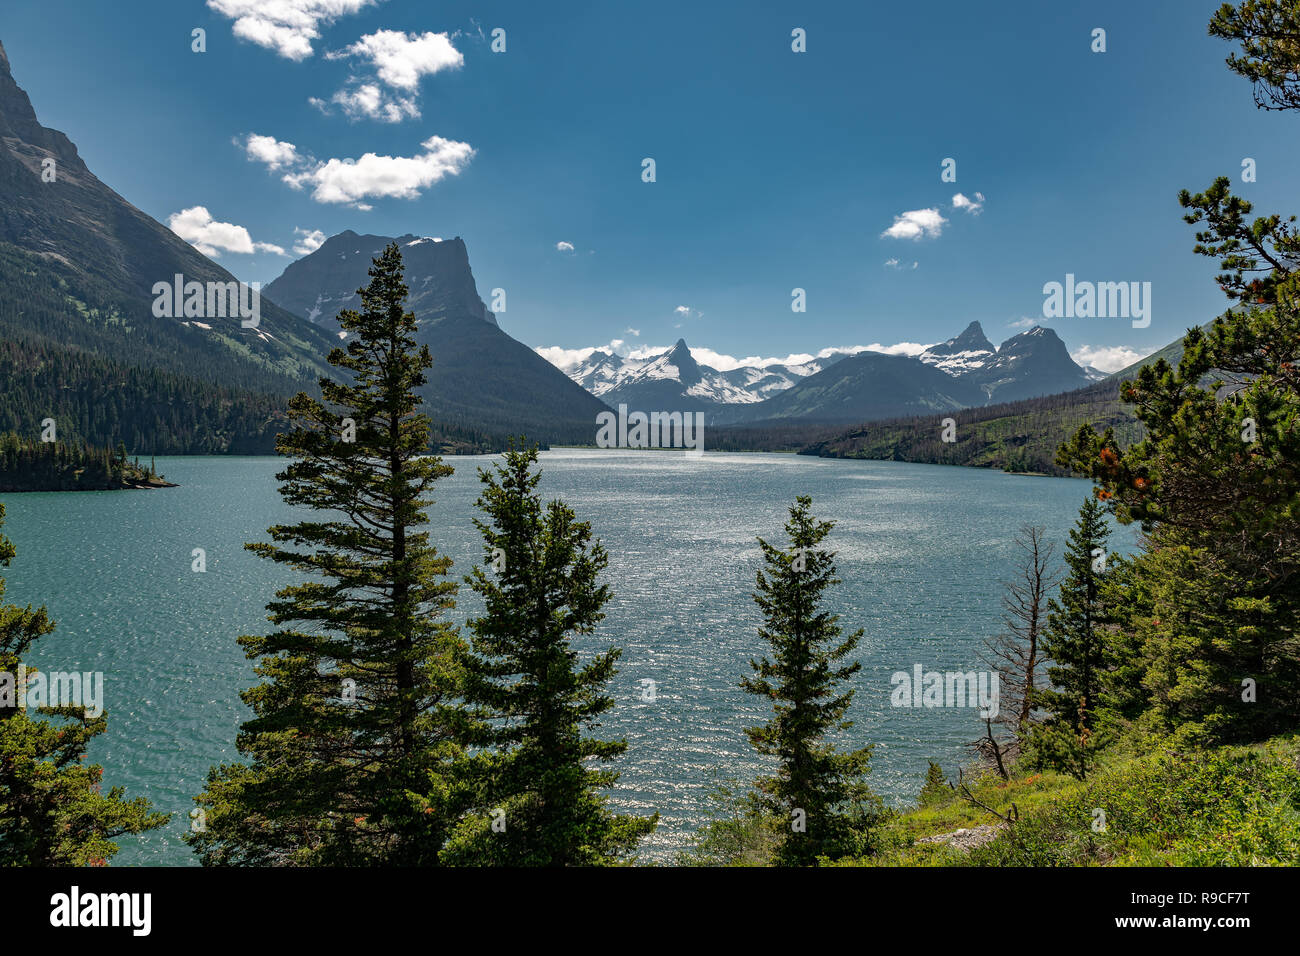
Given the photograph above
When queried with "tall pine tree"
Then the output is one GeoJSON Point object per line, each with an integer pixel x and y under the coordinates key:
{"type": "Point", "coordinates": [540, 802]}
{"type": "Point", "coordinates": [53, 811]}
{"type": "Point", "coordinates": [1074, 642]}
{"type": "Point", "coordinates": [818, 791]}
{"type": "Point", "coordinates": [353, 743]}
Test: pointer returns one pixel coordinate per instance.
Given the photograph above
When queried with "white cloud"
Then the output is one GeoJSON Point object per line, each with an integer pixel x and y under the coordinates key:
{"type": "Point", "coordinates": [197, 227]}
{"type": "Point", "coordinates": [635, 333]}
{"type": "Point", "coordinates": [563, 246]}
{"type": "Point", "coordinates": [286, 26]}
{"type": "Point", "coordinates": [312, 239]}
{"type": "Point", "coordinates": [400, 59]}
{"type": "Point", "coordinates": [568, 359]}
{"type": "Point", "coordinates": [899, 348]}
{"type": "Point", "coordinates": [973, 206]}
{"type": "Point", "coordinates": [916, 223]}
{"type": "Point", "coordinates": [893, 263]}
{"type": "Point", "coordinates": [367, 100]}
{"type": "Point", "coordinates": [350, 181]}
{"type": "Point", "coordinates": [269, 150]}
{"type": "Point", "coordinates": [1107, 358]}
{"type": "Point", "coordinates": [1024, 322]}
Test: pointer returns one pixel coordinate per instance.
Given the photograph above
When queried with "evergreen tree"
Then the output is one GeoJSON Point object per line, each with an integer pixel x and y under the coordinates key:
{"type": "Point", "coordinates": [1074, 643]}
{"type": "Point", "coordinates": [540, 802]}
{"type": "Point", "coordinates": [1269, 34]}
{"type": "Point", "coordinates": [1216, 481]}
{"type": "Point", "coordinates": [353, 743]}
{"type": "Point", "coordinates": [936, 789]}
{"type": "Point", "coordinates": [1215, 597]}
{"type": "Point", "coordinates": [53, 811]}
{"type": "Point", "coordinates": [819, 792]}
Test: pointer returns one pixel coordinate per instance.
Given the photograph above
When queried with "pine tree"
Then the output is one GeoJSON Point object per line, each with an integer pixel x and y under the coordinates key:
{"type": "Point", "coordinates": [817, 791]}
{"type": "Point", "coordinates": [53, 811]}
{"type": "Point", "coordinates": [1214, 604]}
{"type": "Point", "coordinates": [1269, 34]}
{"type": "Point", "coordinates": [540, 803]}
{"type": "Point", "coordinates": [936, 789]}
{"type": "Point", "coordinates": [1074, 641]}
{"type": "Point", "coordinates": [353, 743]}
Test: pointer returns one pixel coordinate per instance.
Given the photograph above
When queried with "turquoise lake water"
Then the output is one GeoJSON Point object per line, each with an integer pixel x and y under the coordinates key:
{"type": "Point", "coordinates": [922, 552]}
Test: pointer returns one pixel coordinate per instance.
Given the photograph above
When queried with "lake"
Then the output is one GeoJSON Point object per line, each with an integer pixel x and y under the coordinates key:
{"type": "Point", "coordinates": [923, 550]}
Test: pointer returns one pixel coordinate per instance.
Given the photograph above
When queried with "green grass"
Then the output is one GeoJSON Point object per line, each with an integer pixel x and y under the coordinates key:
{"type": "Point", "coordinates": [1229, 806]}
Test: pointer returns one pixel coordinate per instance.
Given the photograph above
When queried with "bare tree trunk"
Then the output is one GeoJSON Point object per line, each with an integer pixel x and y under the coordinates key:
{"type": "Point", "coordinates": [1014, 655]}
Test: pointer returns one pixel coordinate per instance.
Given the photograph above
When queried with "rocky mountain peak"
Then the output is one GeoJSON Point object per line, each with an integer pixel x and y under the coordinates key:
{"type": "Point", "coordinates": [972, 339]}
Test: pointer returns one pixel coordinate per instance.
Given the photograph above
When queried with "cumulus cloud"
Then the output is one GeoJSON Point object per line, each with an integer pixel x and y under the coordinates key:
{"type": "Point", "coordinates": [197, 227]}
{"type": "Point", "coordinates": [400, 59]}
{"type": "Point", "coordinates": [915, 224]}
{"type": "Point", "coordinates": [286, 26]}
{"type": "Point", "coordinates": [973, 206]}
{"type": "Point", "coordinates": [312, 239]}
{"type": "Point", "coordinates": [269, 150]}
{"type": "Point", "coordinates": [368, 101]}
{"type": "Point", "coordinates": [569, 359]}
{"type": "Point", "coordinates": [563, 246]}
{"type": "Point", "coordinates": [1107, 358]}
{"type": "Point", "coordinates": [635, 333]}
{"type": "Point", "coordinates": [349, 181]}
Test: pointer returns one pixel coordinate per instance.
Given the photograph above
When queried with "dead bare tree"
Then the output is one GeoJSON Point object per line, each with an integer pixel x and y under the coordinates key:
{"type": "Point", "coordinates": [1009, 818]}
{"type": "Point", "coordinates": [1014, 654]}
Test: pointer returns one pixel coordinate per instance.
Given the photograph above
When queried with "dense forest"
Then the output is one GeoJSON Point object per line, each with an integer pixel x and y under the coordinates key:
{"type": "Point", "coordinates": [27, 465]}
{"type": "Point", "coordinates": [1020, 436]}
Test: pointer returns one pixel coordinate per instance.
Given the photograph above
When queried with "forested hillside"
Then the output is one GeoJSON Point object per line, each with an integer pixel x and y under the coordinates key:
{"type": "Point", "coordinates": [1017, 436]}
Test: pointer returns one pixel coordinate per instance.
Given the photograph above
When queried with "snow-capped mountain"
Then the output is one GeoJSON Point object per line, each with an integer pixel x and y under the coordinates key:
{"type": "Point", "coordinates": [969, 352]}
{"type": "Point", "coordinates": [965, 371]}
{"type": "Point", "coordinates": [1035, 362]}
{"type": "Point", "coordinates": [616, 378]}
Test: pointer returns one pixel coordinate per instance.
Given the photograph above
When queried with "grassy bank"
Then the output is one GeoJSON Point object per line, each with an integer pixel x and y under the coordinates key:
{"type": "Point", "coordinates": [1228, 806]}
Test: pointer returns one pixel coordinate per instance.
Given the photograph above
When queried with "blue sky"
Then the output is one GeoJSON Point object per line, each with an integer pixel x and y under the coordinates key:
{"type": "Point", "coordinates": [775, 169]}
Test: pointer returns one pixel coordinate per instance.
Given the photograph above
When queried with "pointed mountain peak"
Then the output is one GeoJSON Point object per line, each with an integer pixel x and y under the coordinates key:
{"type": "Point", "coordinates": [680, 358]}
{"type": "Point", "coordinates": [4, 60]}
{"type": "Point", "coordinates": [972, 339]}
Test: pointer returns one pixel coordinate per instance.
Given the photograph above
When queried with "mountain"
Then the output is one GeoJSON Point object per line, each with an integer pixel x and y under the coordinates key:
{"type": "Point", "coordinates": [78, 265]}
{"type": "Point", "coordinates": [963, 372]}
{"type": "Point", "coordinates": [861, 387]}
{"type": "Point", "coordinates": [963, 354]}
{"type": "Point", "coordinates": [1019, 436]}
{"type": "Point", "coordinates": [482, 380]}
{"type": "Point", "coordinates": [324, 283]}
{"type": "Point", "coordinates": [1035, 362]}
{"type": "Point", "coordinates": [841, 386]}
{"type": "Point", "coordinates": [100, 249]}
{"type": "Point", "coordinates": [676, 378]}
